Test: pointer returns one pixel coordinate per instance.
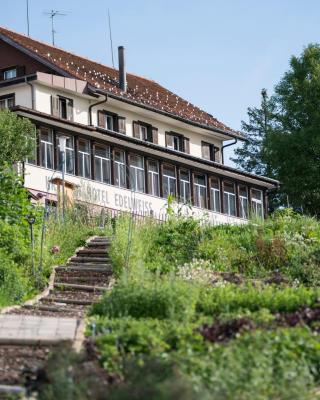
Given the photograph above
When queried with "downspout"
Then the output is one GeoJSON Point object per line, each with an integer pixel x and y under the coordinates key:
{"type": "Point", "coordinates": [33, 107]}
{"type": "Point", "coordinates": [96, 104]}
{"type": "Point", "coordinates": [227, 145]}
{"type": "Point", "coordinates": [32, 92]}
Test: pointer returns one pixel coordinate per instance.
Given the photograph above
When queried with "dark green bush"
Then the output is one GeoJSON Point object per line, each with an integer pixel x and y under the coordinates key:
{"type": "Point", "coordinates": [160, 298]}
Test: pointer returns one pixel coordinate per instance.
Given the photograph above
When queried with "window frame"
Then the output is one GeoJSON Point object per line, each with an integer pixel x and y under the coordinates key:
{"type": "Point", "coordinates": [82, 157]}
{"type": "Point", "coordinates": [243, 210]}
{"type": "Point", "coordinates": [134, 172]}
{"type": "Point", "coordinates": [211, 151]}
{"type": "Point", "coordinates": [47, 145]}
{"type": "Point", "coordinates": [229, 195]}
{"type": "Point", "coordinates": [197, 190]}
{"type": "Point", "coordinates": [70, 152]}
{"type": "Point", "coordinates": [6, 70]}
{"type": "Point", "coordinates": [182, 185]}
{"type": "Point", "coordinates": [6, 98]}
{"type": "Point", "coordinates": [213, 192]}
{"type": "Point", "coordinates": [257, 202]}
{"type": "Point", "coordinates": [169, 178]}
{"type": "Point", "coordinates": [151, 176]}
{"type": "Point", "coordinates": [118, 165]}
{"type": "Point", "coordinates": [105, 172]}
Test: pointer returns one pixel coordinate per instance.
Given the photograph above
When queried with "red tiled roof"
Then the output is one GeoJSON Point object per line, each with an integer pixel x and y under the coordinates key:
{"type": "Point", "coordinates": [139, 90]}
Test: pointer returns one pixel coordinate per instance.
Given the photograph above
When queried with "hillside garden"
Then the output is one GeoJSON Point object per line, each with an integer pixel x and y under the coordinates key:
{"type": "Point", "coordinates": [202, 312]}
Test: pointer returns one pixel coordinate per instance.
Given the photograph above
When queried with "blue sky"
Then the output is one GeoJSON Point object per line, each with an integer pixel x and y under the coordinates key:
{"type": "Point", "coordinates": [216, 54]}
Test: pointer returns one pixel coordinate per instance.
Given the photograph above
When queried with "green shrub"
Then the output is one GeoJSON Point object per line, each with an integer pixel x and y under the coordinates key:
{"type": "Point", "coordinates": [121, 339]}
{"type": "Point", "coordinates": [14, 285]}
{"type": "Point", "coordinates": [232, 298]}
{"type": "Point", "coordinates": [260, 365]}
{"type": "Point", "coordinates": [158, 298]}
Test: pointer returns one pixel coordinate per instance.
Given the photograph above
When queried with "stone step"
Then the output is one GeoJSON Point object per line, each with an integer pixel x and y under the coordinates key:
{"type": "Point", "coordinates": [85, 288]}
{"type": "Point", "coordinates": [85, 268]}
{"type": "Point", "coordinates": [82, 280]}
{"type": "Point", "coordinates": [58, 300]}
{"type": "Point", "coordinates": [49, 308]}
{"type": "Point", "coordinates": [92, 252]}
{"type": "Point", "coordinates": [92, 260]}
{"type": "Point", "coordinates": [98, 245]}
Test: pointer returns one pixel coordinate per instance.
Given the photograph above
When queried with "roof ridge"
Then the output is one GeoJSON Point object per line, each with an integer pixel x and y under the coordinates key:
{"type": "Point", "coordinates": [70, 52]}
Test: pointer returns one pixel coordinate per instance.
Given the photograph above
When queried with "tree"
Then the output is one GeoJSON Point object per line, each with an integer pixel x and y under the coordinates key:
{"type": "Point", "coordinates": [17, 138]}
{"type": "Point", "coordinates": [292, 147]}
{"type": "Point", "coordinates": [250, 157]}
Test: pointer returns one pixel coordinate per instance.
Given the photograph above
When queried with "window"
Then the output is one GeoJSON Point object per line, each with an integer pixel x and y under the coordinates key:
{"type": "Point", "coordinates": [32, 159]}
{"type": "Point", "coordinates": [207, 151]}
{"type": "Point", "coordinates": [229, 199]}
{"type": "Point", "coordinates": [215, 195]}
{"type": "Point", "coordinates": [46, 148]}
{"type": "Point", "coordinates": [119, 169]}
{"type": "Point", "coordinates": [109, 122]}
{"type": "Point", "coordinates": [200, 191]}
{"type": "Point", "coordinates": [257, 203]}
{"type": "Point", "coordinates": [121, 125]}
{"type": "Point", "coordinates": [84, 158]}
{"type": "Point", "coordinates": [7, 101]}
{"type": "Point", "coordinates": [10, 73]}
{"type": "Point", "coordinates": [112, 122]}
{"type": "Point", "coordinates": [102, 163]}
{"type": "Point", "coordinates": [153, 177]}
{"type": "Point", "coordinates": [174, 141]}
{"type": "Point", "coordinates": [243, 201]}
{"type": "Point", "coordinates": [136, 173]}
{"type": "Point", "coordinates": [169, 180]}
{"type": "Point", "coordinates": [69, 156]}
{"type": "Point", "coordinates": [62, 107]}
{"type": "Point", "coordinates": [142, 131]}
{"type": "Point", "coordinates": [185, 186]}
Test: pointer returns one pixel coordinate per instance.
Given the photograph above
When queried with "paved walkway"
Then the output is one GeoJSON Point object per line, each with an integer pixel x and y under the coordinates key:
{"type": "Point", "coordinates": [36, 329]}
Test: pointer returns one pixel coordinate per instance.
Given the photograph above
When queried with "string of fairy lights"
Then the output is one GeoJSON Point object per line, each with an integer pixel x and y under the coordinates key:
{"type": "Point", "coordinates": [168, 102]}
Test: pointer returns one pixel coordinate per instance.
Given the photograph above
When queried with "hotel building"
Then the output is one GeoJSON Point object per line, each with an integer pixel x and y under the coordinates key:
{"type": "Point", "coordinates": [130, 142]}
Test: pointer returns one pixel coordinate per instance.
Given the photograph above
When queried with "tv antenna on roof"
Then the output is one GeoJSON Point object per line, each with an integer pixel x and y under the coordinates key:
{"type": "Point", "coordinates": [110, 37]}
{"type": "Point", "coordinates": [52, 14]}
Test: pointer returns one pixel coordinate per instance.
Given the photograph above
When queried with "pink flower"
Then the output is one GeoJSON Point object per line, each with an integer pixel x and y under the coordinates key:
{"type": "Point", "coordinates": [55, 249]}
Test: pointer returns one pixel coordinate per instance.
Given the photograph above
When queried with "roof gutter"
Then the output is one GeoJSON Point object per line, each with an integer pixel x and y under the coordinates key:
{"type": "Point", "coordinates": [227, 145]}
{"type": "Point", "coordinates": [167, 114]}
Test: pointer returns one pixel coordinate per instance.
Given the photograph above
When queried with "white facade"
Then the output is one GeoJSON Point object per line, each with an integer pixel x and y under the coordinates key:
{"type": "Point", "coordinates": [35, 99]}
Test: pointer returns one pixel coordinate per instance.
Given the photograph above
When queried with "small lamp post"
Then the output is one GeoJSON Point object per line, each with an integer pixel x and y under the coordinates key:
{"type": "Point", "coordinates": [62, 146]}
{"type": "Point", "coordinates": [31, 220]}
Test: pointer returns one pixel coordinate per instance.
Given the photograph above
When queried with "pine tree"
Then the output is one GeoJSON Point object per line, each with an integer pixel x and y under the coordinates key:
{"type": "Point", "coordinates": [250, 157]}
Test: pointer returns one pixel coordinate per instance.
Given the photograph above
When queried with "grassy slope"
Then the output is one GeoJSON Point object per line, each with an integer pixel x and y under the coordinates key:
{"type": "Point", "coordinates": [17, 280]}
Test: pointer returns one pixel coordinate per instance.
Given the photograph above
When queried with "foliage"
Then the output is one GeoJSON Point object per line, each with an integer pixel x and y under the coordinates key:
{"type": "Point", "coordinates": [162, 298]}
{"type": "Point", "coordinates": [13, 281]}
{"type": "Point", "coordinates": [14, 203]}
{"type": "Point", "coordinates": [288, 124]}
{"type": "Point", "coordinates": [231, 298]}
{"type": "Point", "coordinates": [17, 138]}
{"type": "Point", "coordinates": [70, 376]}
{"type": "Point", "coordinates": [250, 156]}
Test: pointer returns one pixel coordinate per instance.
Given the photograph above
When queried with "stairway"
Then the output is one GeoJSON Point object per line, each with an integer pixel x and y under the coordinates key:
{"type": "Point", "coordinates": [77, 285]}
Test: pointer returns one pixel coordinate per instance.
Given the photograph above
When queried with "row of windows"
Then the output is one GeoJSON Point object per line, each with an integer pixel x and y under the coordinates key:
{"type": "Point", "coordinates": [62, 107]}
{"type": "Point", "coordinates": [126, 170]}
